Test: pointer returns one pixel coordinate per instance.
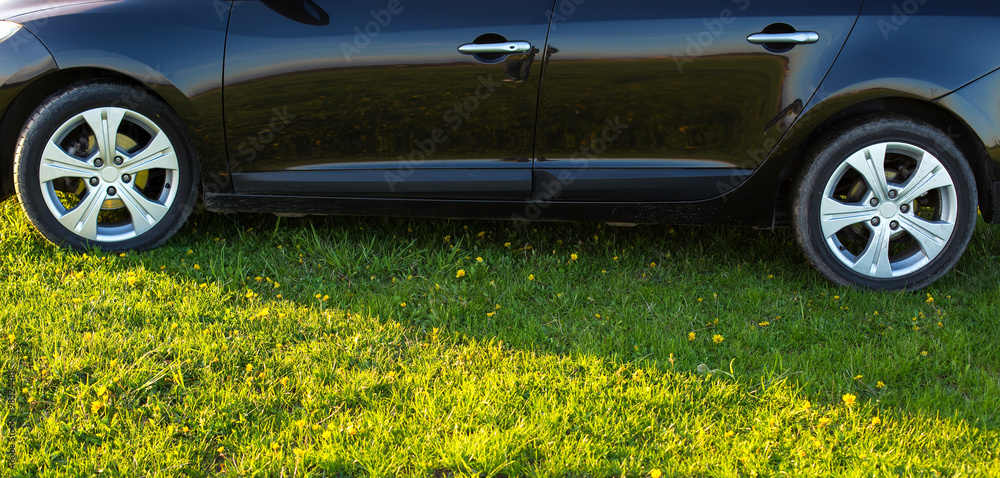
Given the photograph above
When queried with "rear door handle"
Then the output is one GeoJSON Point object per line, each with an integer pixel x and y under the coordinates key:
{"type": "Point", "coordinates": [787, 38]}
{"type": "Point", "coordinates": [507, 48]}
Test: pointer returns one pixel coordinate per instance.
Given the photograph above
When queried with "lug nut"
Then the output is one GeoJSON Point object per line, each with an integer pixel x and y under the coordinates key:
{"type": "Point", "coordinates": [166, 186]}
{"type": "Point", "coordinates": [98, 162]}
{"type": "Point", "coordinates": [893, 194]}
{"type": "Point", "coordinates": [873, 202]}
{"type": "Point", "coordinates": [876, 221]}
{"type": "Point", "coordinates": [126, 177]}
{"type": "Point", "coordinates": [905, 208]}
{"type": "Point", "coordinates": [112, 191]}
{"type": "Point", "coordinates": [94, 181]}
{"type": "Point", "coordinates": [119, 160]}
{"type": "Point", "coordinates": [893, 225]}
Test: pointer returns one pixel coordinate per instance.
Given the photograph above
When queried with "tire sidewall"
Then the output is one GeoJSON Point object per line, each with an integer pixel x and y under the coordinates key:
{"type": "Point", "coordinates": [63, 106]}
{"type": "Point", "coordinates": [845, 142]}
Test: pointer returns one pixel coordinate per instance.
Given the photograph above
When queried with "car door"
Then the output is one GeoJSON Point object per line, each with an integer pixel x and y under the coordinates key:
{"type": "Point", "coordinates": [375, 98]}
{"type": "Point", "coordinates": [676, 100]}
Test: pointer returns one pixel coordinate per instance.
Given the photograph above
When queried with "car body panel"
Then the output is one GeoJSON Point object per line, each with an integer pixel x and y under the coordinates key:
{"type": "Point", "coordinates": [23, 58]}
{"type": "Point", "coordinates": [176, 49]}
{"type": "Point", "coordinates": [697, 102]}
{"type": "Point", "coordinates": [374, 99]}
{"type": "Point", "coordinates": [173, 47]}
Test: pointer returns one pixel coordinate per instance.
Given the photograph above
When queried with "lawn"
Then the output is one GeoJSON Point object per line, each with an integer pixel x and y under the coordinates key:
{"type": "Point", "coordinates": [252, 345]}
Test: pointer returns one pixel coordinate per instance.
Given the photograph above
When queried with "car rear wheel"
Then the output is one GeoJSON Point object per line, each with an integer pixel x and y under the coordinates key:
{"type": "Point", "coordinates": [107, 166]}
{"type": "Point", "coordinates": [885, 203]}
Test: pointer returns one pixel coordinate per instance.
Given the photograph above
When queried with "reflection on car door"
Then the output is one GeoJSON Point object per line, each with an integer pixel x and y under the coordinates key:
{"type": "Point", "coordinates": [679, 100]}
{"type": "Point", "coordinates": [374, 99]}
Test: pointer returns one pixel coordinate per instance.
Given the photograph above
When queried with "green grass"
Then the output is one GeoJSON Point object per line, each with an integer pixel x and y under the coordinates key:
{"type": "Point", "coordinates": [531, 364]}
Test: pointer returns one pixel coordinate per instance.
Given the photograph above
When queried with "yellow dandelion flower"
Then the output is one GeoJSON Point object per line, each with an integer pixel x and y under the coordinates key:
{"type": "Point", "coordinates": [876, 421]}
{"type": "Point", "coordinates": [849, 399]}
{"type": "Point", "coordinates": [764, 323]}
{"type": "Point", "coordinates": [691, 336]}
{"type": "Point", "coordinates": [824, 421]}
{"type": "Point", "coordinates": [652, 264]}
{"type": "Point", "coordinates": [326, 298]}
{"type": "Point", "coordinates": [316, 427]}
{"type": "Point", "coordinates": [479, 259]}
{"type": "Point", "coordinates": [506, 244]}
{"type": "Point", "coordinates": [300, 423]}
{"type": "Point", "coordinates": [879, 384]}
{"type": "Point", "coordinates": [275, 446]}
{"type": "Point", "coordinates": [481, 234]}
{"type": "Point", "coordinates": [717, 338]}
{"type": "Point", "coordinates": [491, 314]}
{"type": "Point", "coordinates": [729, 433]}
{"type": "Point", "coordinates": [185, 429]}
{"type": "Point", "coordinates": [221, 449]}
{"type": "Point", "coordinates": [700, 300]}
{"type": "Point", "coordinates": [96, 406]}
{"type": "Point", "coordinates": [655, 473]}
{"type": "Point", "coordinates": [402, 304]}
{"type": "Point", "coordinates": [460, 274]}
{"type": "Point", "coordinates": [297, 451]}
{"type": "Point", "coordinates": [573, 257]}
{"type": "Point", "coordinates": [531, 276]}
{"type": "Point", "coordinates": [258, 279]}
{"type": "Point", "coordinates": [197, 267]}
{"type": "Point", "coordinates": [923, 353]}
{"type": "Point", "coordinates": [284, 381]}
{"type": "Point", "coordinates": [326, 435]}
{"type": "Point", "coordinates": [858, 377]}
{"type": "Point", "coordinates": [930, 299]}
{"type": "Point", "coordinates": [190, 251]}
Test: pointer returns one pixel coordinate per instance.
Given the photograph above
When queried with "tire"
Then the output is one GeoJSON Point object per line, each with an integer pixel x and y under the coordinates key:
{"type": "Point", "coordinates": [83, 187]}
{"type": "Point", "coordinates": [885, 203]}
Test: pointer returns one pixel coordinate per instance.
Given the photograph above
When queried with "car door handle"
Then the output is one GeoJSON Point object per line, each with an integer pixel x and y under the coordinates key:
{"type": "Point", "coordinates": [787, 38]}
{"type": "Point", "coordinates": [507, 48]}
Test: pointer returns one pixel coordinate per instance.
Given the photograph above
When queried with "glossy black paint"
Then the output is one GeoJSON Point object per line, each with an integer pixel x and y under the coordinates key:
{"type": "Point", "coordinates": [22, 59]}
{"type": "Point", "coordinates": [693, 97]}
{"type": "Point", "coordinates": [350, 99]}
{"type": "Point", "coordinates": [174, 48]}
{"type": "Point", "coordinates": [645, 134]}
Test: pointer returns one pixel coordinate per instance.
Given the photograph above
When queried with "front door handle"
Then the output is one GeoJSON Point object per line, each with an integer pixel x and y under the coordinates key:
{"type": "Point", "coordinates": [506, 48]}
{"type": "Point", "coordinates": [785, 38]}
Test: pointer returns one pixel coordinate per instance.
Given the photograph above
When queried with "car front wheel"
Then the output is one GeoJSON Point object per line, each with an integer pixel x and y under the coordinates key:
{"type": "Point", "coordinates": [107, 166]}
{"type": "Point", "coordinates": [885, 203]}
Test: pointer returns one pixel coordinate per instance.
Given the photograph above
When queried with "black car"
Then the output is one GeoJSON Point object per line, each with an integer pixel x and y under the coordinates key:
{"type": "Point", "coordinates": [871, 127]}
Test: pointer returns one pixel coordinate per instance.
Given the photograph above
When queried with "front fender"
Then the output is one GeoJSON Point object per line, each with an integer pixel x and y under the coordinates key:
{"type": "Point", "coordinates": [174, 48]}
{"type": "Point", "coordinates": [22, 58]}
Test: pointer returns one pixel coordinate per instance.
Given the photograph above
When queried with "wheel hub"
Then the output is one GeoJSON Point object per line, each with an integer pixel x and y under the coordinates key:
{"type": "Point", "coordinates": [888, 210]}
{"type": "Point", "coordinates": [109, 174]}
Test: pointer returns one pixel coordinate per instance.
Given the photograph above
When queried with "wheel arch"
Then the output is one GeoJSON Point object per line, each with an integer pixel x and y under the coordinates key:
{"type": "Point", "coordinates": [34, 94]}
{"type": "Point", "coordinates": [968, 142]}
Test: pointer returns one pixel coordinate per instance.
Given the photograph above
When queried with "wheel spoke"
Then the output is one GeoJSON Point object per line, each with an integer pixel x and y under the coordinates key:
{"type": "Point", "coordinates": [930, 235]}
{"type": "Point", "coordinates": [57, 164]}
{"type": "Point", "coordinates": [82, 219]}
{"type": "Point", "coordinates": [870, 163]}
{"type": "Point", "coordinates": [874, 260]}
{"type": "Point", "coordinates": [145, 213]}
{"type": "Point", "coordinates": [105, 122]}
{"type": "Point", "coordinates": [835, 215]}
{"type": "Point", "coordinates": [930, 175]}
{"type": "Point", "coordinates": [159, 154]}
